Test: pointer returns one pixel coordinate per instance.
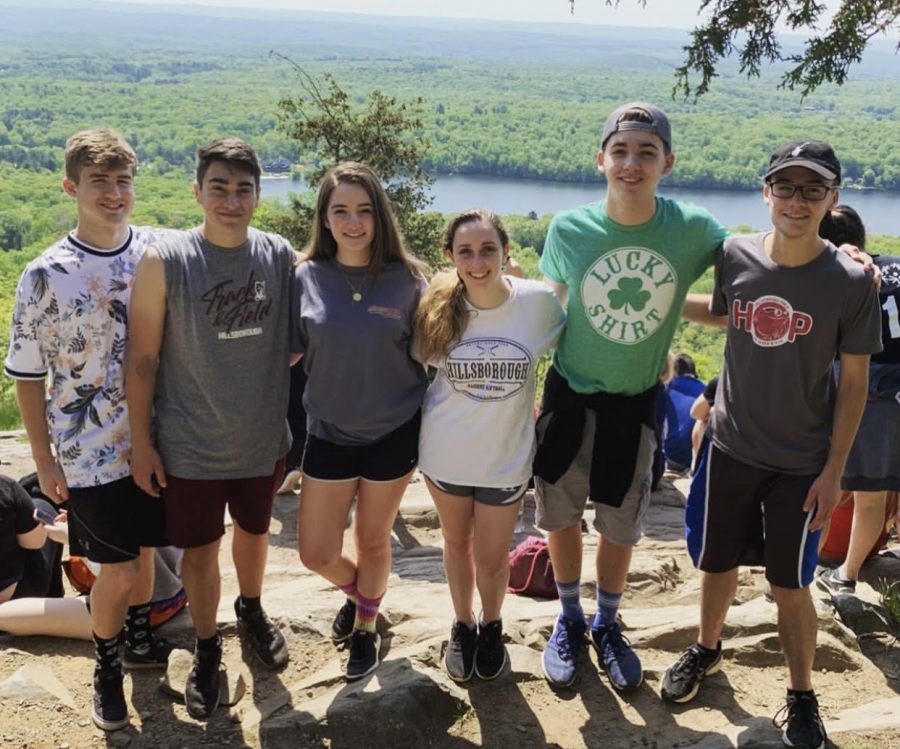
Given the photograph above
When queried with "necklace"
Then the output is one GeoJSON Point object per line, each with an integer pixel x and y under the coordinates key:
{"type": "Point", "coordinates": [356, 293]}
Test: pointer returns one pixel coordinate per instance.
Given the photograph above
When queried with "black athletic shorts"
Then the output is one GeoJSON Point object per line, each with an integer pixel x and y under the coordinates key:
{"type": "Point", "coordinates": [738, 514]}
{"type": "Point", "coordinates": [387, 459]}
{"type": "Point", "coordinates": [110, 523]}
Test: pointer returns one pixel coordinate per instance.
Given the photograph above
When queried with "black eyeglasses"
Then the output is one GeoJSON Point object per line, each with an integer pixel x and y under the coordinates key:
{"type": "Point", "coordinates": [807, 192]}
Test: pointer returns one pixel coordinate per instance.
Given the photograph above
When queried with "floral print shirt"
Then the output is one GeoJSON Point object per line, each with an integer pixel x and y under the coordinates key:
{"type": "Point", "coordinates": [70, 324]}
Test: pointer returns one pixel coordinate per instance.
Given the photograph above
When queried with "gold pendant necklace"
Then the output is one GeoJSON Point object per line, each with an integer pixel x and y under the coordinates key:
{"type": "Point", "coordinates": [356, 293]}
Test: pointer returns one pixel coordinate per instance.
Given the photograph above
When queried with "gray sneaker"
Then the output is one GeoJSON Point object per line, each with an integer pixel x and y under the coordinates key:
{"type": "Point", "coordinates": [831, 582]}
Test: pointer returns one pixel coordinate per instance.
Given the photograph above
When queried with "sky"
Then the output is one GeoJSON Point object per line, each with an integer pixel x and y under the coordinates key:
{"type": "Point", "coordinates": [679, 14]}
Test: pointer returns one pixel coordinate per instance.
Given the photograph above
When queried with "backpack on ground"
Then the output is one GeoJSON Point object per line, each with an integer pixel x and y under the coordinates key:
{"type": "Point", "coordinates": [530, 569]}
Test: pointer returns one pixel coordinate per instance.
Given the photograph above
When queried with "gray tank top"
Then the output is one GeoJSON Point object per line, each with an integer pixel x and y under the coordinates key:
{"type": "Point", "coordinates": [222, 387]}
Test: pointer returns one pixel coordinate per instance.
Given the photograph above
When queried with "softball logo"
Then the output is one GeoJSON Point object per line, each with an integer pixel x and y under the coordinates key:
{"type": "Point", "coordinates": [628, 293]}
{"type": "Point", "coordinates": [771, 320]}
{"type": "Point", "coordinates": [488, 369]}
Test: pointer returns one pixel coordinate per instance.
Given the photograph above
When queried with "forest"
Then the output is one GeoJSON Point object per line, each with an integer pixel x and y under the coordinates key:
{"type": "Point", "coordinates": [515, 101]}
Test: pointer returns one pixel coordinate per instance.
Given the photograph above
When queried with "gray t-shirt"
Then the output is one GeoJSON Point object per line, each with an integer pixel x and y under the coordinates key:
{"type": "Point", "coordinates": [775, 401]}
{"type": "Point", "coordinates": [363, 383]}
{"type": "Point", "coordinates": [222, 388]}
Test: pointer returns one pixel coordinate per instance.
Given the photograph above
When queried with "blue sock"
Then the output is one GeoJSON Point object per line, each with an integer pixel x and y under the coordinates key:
{"type": "Point", "coordinates": [607, 608]}
{"type": "Point", "coordinates": [570, 599]}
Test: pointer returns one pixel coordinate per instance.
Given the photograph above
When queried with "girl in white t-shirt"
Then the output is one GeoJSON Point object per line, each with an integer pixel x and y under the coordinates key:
{"type": "Point", "coordinates": [483, 332]}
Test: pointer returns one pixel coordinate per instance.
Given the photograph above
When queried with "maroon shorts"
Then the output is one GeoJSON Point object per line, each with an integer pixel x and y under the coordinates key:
{"type": "Point", "coordinates": [195, 508]}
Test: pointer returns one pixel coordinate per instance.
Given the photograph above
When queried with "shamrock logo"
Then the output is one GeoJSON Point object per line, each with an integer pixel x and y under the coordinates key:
{"type": "Point", "coordinates": [630, 293]}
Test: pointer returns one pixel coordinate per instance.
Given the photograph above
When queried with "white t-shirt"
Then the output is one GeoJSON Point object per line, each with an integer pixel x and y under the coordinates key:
{"type": "Point", "coordinates": [478, 415]}
{"type": "Point", "coordinates": [71, 322]}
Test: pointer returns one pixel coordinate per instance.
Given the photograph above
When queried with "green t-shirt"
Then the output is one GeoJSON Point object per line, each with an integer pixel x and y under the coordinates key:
{"type": "Point", "coordinates": [627, 286]}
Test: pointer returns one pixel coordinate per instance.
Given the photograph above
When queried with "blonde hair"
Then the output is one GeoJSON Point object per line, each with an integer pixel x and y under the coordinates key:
{"type": "Point", "coordinates": [387, 244]}
{"type": "Point", "coordinates": [97, 147]}
{"type": "Point", "coordinates": [442, 316]}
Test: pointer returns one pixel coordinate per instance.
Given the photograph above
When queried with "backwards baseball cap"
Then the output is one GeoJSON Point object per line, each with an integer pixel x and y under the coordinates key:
{"type": "Point", "coordinates": [658, 123]}
{"type": "Point", "coordinates": [815, 155]}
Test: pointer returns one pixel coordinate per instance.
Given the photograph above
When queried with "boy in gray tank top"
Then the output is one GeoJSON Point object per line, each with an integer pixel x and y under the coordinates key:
{"type": "Point", "coordinates": [209, 358]}
{"type": "Point", "coordinates": [781, 430]}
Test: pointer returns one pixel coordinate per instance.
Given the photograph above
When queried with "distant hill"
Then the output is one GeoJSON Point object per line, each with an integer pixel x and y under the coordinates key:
{"type": "Point", "coordinates": [308, 34]}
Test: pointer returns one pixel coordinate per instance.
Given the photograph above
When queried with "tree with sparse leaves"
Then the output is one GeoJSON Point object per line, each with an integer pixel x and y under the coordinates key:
{"type": "Point", "coordinates": [384, 133]}
{"type": "Point", "coordinates": [747, 29]}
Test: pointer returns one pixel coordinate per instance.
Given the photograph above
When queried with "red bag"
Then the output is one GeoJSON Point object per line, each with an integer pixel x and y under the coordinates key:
{"type": "Point", "coordinates": [80, 576]}
{"type": "Point", "coordinates": [530, 569]}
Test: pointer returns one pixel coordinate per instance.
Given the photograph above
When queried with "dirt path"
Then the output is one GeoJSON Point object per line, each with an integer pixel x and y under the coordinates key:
{"type": "Point", "coordinates": [409, 702]}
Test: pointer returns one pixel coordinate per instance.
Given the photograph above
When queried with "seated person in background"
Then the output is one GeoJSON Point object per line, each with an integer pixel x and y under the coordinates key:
{"type": "Point", "coordinates": [659, 427]}
{"type": "Point", "coordinates": [873, 466]}
{"type": "Point", "coordinates": [71, 617]}
{"type": "Point", "coordinates": [681, 392]}
{"type": "Point", "coordinates": [700, 412]}
{"type": "Point", "coordinates": [29, 555]}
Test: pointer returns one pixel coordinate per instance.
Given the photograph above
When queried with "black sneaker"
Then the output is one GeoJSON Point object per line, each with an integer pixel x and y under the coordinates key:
{"type": "Point", "coordinates": [682, 679]}
{"type": "Point", "coordinates": [109, 711]}
{"type": "Point", "coordinates": [364, 647]}
{"type": "Point", "coordinates": [342, 626]}
{"type": "Point", "coordinates": [801, 723]}
{"type": "Point", "coordinates": [831, 582]}
{"type": "Point", "coordinates": [459, 660]}
{"type": "Point", "coordinates": [201, 692]}
{"type": "Point", "coordinates": [156, 655]}
{"type": "Point", "coordinates": [264, 637]}
{"type": "Point", "coordinates": [490, 656]}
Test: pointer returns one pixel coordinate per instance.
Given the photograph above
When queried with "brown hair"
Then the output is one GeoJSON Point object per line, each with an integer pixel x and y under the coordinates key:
{"type": "Point", "coordinates": [387, 244]}
{"type": "Point", "coordinates": [442, 316]}
{"type": "Point", "coordinates": [235, 152]}
{"type": "Point", "coordinates": [97, 147]}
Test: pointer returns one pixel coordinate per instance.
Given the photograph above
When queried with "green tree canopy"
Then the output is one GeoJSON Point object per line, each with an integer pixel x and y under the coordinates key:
{"type": "Point", "coordinates": [381, 131]}
{"type": "Point", "coordinates": [747, 28]}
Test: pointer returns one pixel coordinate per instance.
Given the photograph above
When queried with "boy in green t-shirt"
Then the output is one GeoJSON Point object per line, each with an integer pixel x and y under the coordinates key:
{"type": "Point", "coordinates": [622, 267]}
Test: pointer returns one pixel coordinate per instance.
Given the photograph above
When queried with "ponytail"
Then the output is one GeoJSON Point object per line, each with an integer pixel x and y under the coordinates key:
{"type": "Point", "coordinates": [442, 316]}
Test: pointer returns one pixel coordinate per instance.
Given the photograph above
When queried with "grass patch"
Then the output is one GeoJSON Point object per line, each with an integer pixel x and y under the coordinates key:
{"type": "Point", "coordinates": [890, 599]}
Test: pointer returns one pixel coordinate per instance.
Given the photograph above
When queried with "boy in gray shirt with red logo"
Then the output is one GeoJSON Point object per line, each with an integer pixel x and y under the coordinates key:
{"type": "Point", "coordinates": [781, 429]}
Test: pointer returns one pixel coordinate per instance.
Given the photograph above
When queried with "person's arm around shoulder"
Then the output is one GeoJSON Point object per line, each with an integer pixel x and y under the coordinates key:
{"type": "Point", "coordinates": [852, 391]}
{"type": "Point", "coordinates": [559, 289]}
{"type": "Point", "coordinates": [696, 310]}
{"type": "Point", "coordinates": [146, 319]}
{"type": "Point", "coordinates": [709, 309]}
{"type": "Point", "coordinates": [32, 398]}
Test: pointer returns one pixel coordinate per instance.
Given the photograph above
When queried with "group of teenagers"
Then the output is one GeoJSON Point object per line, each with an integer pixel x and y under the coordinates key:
{"type": "Point", "coordinates": [152, 371]}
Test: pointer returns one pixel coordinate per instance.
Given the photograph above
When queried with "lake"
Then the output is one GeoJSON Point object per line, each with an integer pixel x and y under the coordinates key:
{"type": "Point", "coordinates": [503, 195]}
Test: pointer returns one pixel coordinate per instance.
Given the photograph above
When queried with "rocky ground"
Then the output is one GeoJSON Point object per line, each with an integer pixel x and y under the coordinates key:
{"type": "Point", "coordinates": [409, 702]}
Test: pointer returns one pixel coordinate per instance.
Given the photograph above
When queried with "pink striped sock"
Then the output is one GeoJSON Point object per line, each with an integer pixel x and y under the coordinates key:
{"type": "Point", "coordinates": [366, 612]}
{"type": "Point", "coordinates": [350, 590]}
